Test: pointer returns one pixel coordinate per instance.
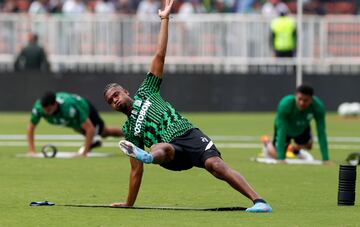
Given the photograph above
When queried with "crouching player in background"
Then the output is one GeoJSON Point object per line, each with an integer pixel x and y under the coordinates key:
{"type": "Point", "coordinates": [73, 111]}
{"type": "Point", "coordinates": [292, 121]}
{"type": "Point", "coordinates": [174, 142]}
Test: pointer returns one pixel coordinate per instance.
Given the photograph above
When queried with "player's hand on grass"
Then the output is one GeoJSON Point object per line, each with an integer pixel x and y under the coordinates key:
{"type": "Point", "coordinates": [31, 154]}
{"type": "Point", "coordinates": [82, 155]}
{"type": "Point", "coordinates": [167, 8]}
{"type": "Point", "coordinates": [120, 204]}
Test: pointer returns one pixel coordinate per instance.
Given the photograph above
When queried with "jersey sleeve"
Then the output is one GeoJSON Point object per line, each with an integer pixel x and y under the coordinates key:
{"type": "Point", "coordinates": [80, 112]}
{"type": "Point", "coordinates": [35, 115]}
{"type": "Point", "coordinates": [151, 84]}
{"type": "Point", "coordinates": [281, 128]}
{"type": "Point", "coordinates": [321, 129]}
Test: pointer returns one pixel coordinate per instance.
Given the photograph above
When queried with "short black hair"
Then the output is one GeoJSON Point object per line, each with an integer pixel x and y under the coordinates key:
{"type": "Point", "coordinates": [111, 85]}
{"type": "Point", "coordinates": [48, 98]}
{"type": "Point", "coordinates": [305, 89]}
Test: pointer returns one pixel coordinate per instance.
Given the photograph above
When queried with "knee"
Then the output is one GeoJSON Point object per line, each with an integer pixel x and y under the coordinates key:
{"type": "Point", "coordinates": [163, 149]}
{"type": "Point", "coordinates": [160, 147]}
{"type": "Point", "coordinates": [310, 146]}
{"type": "Point", "coordinates": [216, 166]}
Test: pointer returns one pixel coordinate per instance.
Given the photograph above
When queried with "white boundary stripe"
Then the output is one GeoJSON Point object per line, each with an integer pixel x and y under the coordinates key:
{"type": "Point", "coordinates": [66, 155]}
{"type": "Point", "coordinates": [42, 137]}
{"type": "Point", "coordinates": [222, 138]}
{"type": "Point", "coordinates": [288, 161]}
{"type": "Point", "coordinates": [219, 145]}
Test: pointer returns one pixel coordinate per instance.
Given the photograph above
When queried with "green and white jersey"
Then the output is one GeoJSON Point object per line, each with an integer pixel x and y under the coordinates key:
{"type": "Point", "coordinates": [73, 111]}
{"type": "Point", "coordinates": [292, 122]}
{"type": "Point", "coordinates": [152, 119]}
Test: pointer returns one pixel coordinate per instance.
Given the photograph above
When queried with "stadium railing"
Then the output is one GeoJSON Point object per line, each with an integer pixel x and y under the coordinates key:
{"type": "Point", "coordinates": [225, 43]}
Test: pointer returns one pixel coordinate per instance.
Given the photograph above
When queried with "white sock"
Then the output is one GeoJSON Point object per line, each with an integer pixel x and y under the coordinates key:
{"type": "Point", "coordinates": [305, 155]}
{"type": "Point", "coordinates": [265, 151]}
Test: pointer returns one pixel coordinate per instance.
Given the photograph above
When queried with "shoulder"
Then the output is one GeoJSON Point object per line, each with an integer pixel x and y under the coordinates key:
{"type": "Point", "coordinates": [62, 95]}
{"type": "Point", "coordinates": [317, 100]}
{"type": "Point", "coordinates": [37, 104]}
{"type": "Point", "coordinates": [318, 104]}
{"type": "Point", "coordinates": [286, 100]}
{"type": "Point", "coordinates": [37, 108]}
{"type": "Point", "coordinates": [150, 85]}
{"type": "Point", "coordinates": [286, 103]}
{"type": "Point", "coordinates": [152, 77]}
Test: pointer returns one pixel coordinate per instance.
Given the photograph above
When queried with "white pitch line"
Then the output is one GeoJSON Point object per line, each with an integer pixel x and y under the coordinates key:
{"type": "Point", "coordinates": [219, 145]}
{"type": "Point", "coordinates": [221, 138]}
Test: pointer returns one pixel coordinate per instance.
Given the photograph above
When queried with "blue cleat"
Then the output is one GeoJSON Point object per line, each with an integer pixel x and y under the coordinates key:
{"type": "Point", "coordinates": [259, 208]}
{"type": "Point", "coordinates": [131, 150]}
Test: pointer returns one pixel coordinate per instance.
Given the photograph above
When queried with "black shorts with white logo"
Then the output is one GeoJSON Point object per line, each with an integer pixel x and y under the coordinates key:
{"type": "Point", "coordinates": [304, 138]}
{"type": "Point", "coordinates": [191, 149]}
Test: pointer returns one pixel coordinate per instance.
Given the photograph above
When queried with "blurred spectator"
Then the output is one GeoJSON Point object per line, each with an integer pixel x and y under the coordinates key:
{"type": "Point", "coordinates": [32, 57]}
{"type": "Point", "coordinates": [190, 7]}
{"type": "Point", "coordinates": [224, 6]}
{"type": "Point", "coordinates": [38, 7]}
{"type": "Point", "coordinates": [104, 6]}
{"type": "Point", "coordinates": [134, 4]}
{"type": "Point", "coordinates": [314, 7]}
{"type": "Point", "coordinates": [272, 8]}
{"type": "Point", "coordinates": [147, 7]}
{"type": "Point", "coordinates": [55, 6]}
{"type": "Point", "coordinates": [74, 7]}
{"type": "Point", "coordinates": [244, 6]}
{"type": "Point", "coordinates": [283, 35]}
{"type": "Point", "coordinates": [124, 7]}
{"type": "Point", "coordinates": [189, 29]}
{"type": "Point", "coordinates": [10, 6]}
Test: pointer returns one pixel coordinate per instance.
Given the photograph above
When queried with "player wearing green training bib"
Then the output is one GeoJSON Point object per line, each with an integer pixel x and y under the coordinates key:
{"type": "Point", "coordinates": [174, 142]}
{"type": "Point", "coordinates": [293, 118]}
{"type": "Point", "coordinates": [73, 111]}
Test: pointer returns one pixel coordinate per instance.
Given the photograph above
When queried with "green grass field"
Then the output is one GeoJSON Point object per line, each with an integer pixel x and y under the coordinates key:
{"type": "Point", "coordinates": [300, 195]}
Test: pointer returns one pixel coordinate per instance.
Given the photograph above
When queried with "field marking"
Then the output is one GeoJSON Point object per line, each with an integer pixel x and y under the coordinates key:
{"type": "Point", "coordinates": [222, 138]}
{"type": "Point", "coordinates": [115, 145]}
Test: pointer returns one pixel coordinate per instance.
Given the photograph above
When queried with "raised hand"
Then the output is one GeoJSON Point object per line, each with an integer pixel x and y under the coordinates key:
{"type": "Point", "coordinates": [167, 8]}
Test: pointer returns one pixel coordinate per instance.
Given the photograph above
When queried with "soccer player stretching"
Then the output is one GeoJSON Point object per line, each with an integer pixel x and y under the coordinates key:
{"type": "Point", "coordinates": [173, 141]}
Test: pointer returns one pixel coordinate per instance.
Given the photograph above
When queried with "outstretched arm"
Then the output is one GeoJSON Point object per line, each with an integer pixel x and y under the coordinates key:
{"type": "Point", "coordinates": [30, 138]}
{"type": "Point", "coordinates": [157, 64]}
{"type": "Point", "coordinates": [136, 173]}
{"type": "Point", "coordinates": [322, 138]}
{"type": "Point", "coordinates": [89, 129]}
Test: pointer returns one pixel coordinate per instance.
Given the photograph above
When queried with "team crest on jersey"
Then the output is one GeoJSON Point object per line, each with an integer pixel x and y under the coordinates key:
{"type": "Point", "coordinates": [137, 103]}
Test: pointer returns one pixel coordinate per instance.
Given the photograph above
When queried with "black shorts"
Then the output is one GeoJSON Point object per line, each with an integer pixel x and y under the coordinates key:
{"type": "Point", "coordinates": [95, 120]}
{"type": "Point", "coordinates": [191, 149]}
{"type": "Point", "coordinates": [304, 138]}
